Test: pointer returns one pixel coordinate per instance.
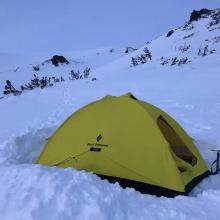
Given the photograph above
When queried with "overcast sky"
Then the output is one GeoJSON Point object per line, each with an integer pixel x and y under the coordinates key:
{"type": "Point", "coordinates": [51, 25]}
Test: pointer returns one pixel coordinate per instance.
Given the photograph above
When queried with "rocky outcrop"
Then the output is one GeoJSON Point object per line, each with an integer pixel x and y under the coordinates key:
{"type": "Point", "coordinates": [196, 15]}
{"type": "Point", "coordinates": [56, 60]}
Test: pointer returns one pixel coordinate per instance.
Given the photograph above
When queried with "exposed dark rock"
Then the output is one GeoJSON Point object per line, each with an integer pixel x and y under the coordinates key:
{"type": "Point", "coordinates": [170, 33]}
{"type": "Point", "coordinates": [196, 15]}
{"type": "Point", "coordinates": [56, 60]}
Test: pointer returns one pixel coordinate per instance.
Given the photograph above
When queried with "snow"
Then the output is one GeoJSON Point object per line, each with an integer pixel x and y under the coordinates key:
{"type": "Point", "coordinates": [189, 93]}
{"type": "Point", "coordinates": [53, 193]}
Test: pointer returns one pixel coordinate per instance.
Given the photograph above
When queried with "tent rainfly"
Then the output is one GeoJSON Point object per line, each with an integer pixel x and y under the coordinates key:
{"type": "Point", "coordinates": [126, 140]}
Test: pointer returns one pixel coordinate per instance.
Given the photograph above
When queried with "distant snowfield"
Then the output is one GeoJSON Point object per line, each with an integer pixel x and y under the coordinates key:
{"type": "Point", "coordinates": [189, 93]}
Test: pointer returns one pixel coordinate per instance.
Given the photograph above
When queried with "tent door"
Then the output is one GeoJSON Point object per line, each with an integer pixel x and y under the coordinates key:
{"type": "Point", "coordinates": [175, 142]}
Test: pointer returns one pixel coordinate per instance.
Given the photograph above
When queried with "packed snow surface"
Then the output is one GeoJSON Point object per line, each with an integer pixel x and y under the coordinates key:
{"type": "Point", "coordinates": [189, 93]}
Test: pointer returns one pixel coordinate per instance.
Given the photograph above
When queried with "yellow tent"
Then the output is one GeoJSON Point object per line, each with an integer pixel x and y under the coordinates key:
{"type": "Point", "coordinates": [129, 141]}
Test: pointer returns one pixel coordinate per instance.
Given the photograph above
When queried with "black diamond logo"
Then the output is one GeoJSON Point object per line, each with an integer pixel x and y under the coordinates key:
{"type": "Point", "coordinates": [99, 138]}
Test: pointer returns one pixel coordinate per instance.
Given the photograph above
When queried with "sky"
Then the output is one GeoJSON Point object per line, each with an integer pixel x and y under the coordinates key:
{"type": "Point", "coordinates": [52, 25]}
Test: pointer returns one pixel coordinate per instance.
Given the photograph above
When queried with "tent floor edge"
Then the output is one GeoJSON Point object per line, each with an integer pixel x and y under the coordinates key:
{"type": "Point", "coordinates": [144, 188]}
{"type": "Point", "coordinates": [195, 181]}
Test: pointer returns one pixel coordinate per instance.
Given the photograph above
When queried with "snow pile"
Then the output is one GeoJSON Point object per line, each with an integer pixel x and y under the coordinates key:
{"type": "Point", "coordinates": [190, 93]}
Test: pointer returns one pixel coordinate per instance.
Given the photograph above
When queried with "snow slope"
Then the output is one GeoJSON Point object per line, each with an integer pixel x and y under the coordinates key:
{"type": "Point", "coordinates": [190, 93]}
{"type": "Point", "coordinates": [18, 68]}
